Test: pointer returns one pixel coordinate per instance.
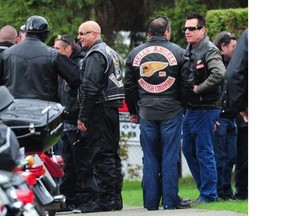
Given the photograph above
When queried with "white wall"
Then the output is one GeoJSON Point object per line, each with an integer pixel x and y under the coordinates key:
{"type": "Point", "coordinates": [135, 153]}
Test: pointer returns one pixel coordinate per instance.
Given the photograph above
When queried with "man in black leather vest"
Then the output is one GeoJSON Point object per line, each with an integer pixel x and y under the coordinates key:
{"type": "Point", "coordinates": [101, 94]}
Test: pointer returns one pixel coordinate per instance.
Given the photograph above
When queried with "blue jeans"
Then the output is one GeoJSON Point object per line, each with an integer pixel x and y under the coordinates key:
{"type": "Point", "coordinates": [160, 141]}
{"type": "Point", "coordinates": [198, 150]}
{"type": "Point", "coordinates": [225, 154]}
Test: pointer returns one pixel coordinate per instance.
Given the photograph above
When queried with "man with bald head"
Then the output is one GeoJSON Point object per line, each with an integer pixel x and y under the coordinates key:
{"type": "Point", "coordinates": [101, 94]}
{"type": "Point", "coordinates": [8, 37]}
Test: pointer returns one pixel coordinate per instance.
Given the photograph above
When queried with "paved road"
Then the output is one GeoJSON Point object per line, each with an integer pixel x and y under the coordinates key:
{"type": "Point", "coordinates": [138, 211]}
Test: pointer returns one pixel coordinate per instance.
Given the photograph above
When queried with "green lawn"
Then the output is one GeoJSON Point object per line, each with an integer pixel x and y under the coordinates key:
{"type": "Point", "coordinates": [132, 196]}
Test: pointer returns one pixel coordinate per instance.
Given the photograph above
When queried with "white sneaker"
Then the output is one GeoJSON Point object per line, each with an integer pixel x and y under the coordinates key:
{"type": "Point", "coordinates": [77, 211]}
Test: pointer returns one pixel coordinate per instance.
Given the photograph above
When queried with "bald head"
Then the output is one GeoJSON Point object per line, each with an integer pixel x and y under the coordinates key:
{"type": "Point", "coordinates": [8, 34]}
{"type": "Point", "coordinates": [91, 26]}
{"type": "Point", "coordinates": [88, 33]}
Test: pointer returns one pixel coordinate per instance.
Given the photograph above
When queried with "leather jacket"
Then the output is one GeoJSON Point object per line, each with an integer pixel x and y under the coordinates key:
{"type": "Point", "coordinates": [206, 65]}
{"type": "Point", "coordinates": [154, 74]}
{"type": "Point", "coordinates": [100, 69]}
{"type": "Point", "coordinates": [67, 95]}
{"type": "Point", "coordinates": [5, 45]}
{"type": "Point", "coordinates": [30, 69]}
{"type": "Point", "coordinates": [237, 77]}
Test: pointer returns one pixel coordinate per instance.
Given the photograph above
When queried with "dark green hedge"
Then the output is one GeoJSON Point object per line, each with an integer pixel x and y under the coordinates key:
{"type": "Point", "coordinates": [233, 20]}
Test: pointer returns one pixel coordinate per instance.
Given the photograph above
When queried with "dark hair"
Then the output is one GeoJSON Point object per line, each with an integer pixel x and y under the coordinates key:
{"type": "Point", "coordinates": [158, 26]}
{"type": "Point", "coordinates": [223, 37]}
{"type": "Point", "coordinates": [67, 39]}
{"type": "Point", "coordinates": [200, 18]}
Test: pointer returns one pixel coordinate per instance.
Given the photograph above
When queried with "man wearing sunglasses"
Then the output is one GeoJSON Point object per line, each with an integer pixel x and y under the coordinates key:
{"type": "Point", "coordinates": [65, 44]}
{"type": "Point", "coordinates": [101, 94]}
{"type": "Point", "coordinates": [155, 72]}
{"type": "Point", "coordinates": [202, 107]}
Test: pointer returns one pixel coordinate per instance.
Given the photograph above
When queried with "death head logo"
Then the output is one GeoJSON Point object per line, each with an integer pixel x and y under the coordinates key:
{"type": "Point", "coordinates": [149, 68]}
{"type": "Point", "coordinates": [156, 68]}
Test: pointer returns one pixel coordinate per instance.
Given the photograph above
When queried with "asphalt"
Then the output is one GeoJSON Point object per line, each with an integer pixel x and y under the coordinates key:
{"type": "Point", "coordinates": [139, 211]}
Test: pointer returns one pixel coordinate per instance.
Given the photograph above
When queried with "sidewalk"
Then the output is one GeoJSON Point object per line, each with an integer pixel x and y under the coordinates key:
{"type": "Point", "coordinates": [139, 211]}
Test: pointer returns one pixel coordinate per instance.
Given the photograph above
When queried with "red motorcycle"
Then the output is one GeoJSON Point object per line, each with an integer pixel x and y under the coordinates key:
{"type": "Point", "coordinates": [16, 193]}
{"type": "Point", "coordinates": [16, 198]}
{"type": "Point", "coordinates": [38, 126]}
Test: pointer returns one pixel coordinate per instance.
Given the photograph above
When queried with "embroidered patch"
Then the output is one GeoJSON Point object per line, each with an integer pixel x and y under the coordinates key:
{"type": "Point", "coordinates": [157, 68]}
{"type": "Point", "coordinates": [147, 69]}
{"type": "Point", "coordinates": [162, 73]}
{"type": "Point", "coordinates": [155, 50]}
{"type": "Point", "coordinates": [198, 66]}
{"type": "Point", "coordinates": [157, 88]}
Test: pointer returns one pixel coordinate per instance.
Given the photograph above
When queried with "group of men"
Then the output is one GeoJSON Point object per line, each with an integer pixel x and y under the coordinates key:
{"type": "Point", "coordinates": [86, 85]}
{"type": "Point", "coordinates": [167, 89]}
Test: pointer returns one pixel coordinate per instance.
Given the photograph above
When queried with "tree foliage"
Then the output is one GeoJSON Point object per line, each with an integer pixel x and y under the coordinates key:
{"type": "Point", "coordinates": [61, 15]}
{"type": "Point", "coordinates": [232, 20]}
{"type": "Point", "coordinates": [65, 16]}
{"type": "Point", "coordinates": [178, 14]}
{"type": "Point", "coordinates": [225, 4]}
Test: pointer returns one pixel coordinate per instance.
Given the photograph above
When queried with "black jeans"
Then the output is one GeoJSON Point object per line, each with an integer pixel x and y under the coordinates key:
{"type": "Point", "coordinates": [241, 177]}
{"type": "Point", "coordinates": [101, 177]}
{"type": "Point", "coordinates": [69, 184]}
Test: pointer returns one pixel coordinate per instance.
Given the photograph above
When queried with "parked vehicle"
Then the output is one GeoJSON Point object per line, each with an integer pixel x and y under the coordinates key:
{"type": "Point", "coordinates": [37, 125]}
{"type": "Point", "coordinates": [17, 197]}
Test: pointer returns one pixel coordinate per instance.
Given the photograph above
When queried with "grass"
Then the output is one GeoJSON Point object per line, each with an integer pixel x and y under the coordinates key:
{"type": "Point", "coordinates": [132, 196]}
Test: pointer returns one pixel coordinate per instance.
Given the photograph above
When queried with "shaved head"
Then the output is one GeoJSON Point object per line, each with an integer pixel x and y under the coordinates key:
{"type": "Point", "coordinates": [8, 34]}
{"type": "Point", "coordinates": [91, 26]}
{"type": "Point", "coordinates": [88, 33]}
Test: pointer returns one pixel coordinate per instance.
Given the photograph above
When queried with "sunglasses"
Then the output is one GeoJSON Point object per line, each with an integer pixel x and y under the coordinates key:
{"type": "Point", "coordinates": [190, 28]}
{"type": "Point", "coordinates": [84, 33]}
{"type": "Point", "coordinates": [60, 37]}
